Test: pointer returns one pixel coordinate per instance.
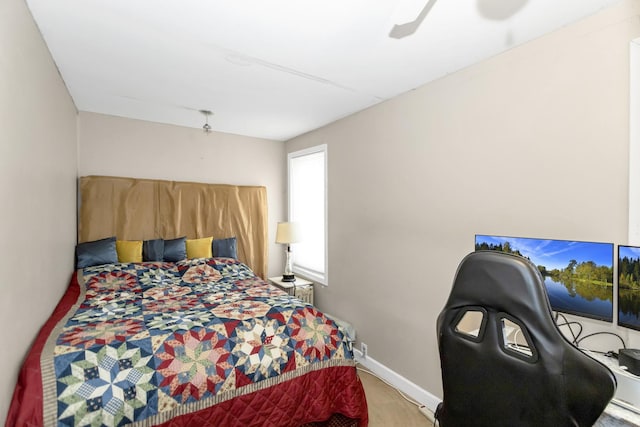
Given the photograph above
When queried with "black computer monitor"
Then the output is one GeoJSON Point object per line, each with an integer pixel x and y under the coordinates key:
{"type": "Point", "coordinates": [629, 286]}
{"type": "Point", "coordinates": [578, 275]}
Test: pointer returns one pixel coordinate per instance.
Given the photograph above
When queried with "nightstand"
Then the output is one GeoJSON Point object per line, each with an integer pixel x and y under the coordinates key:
{"type": "Point", "coordinates": [301, 288]}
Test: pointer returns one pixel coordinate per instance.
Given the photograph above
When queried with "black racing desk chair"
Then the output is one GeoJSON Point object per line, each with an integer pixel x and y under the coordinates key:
{"type": "Point", "coordinates": [504, 361]}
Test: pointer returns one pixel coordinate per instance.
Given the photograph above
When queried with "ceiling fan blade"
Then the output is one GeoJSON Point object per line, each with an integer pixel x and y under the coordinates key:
{"type": "Point", "coordinates": [406, 29]}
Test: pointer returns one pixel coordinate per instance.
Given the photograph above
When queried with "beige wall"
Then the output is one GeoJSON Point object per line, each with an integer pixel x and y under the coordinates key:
{"type": "Point", "coordinates": [38, 162]}
{"type": "Point", "coordinates": [531, 143]}
{"type": "Point", "coordinates": [124, 147]}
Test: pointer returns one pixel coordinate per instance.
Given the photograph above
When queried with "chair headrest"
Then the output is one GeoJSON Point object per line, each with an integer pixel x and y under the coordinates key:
{"type": "Point", "coordinates": [501, 282]}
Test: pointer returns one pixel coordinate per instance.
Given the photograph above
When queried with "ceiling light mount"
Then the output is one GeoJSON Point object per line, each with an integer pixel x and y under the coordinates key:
{"type": "Point", "coordinates": [206, 127]}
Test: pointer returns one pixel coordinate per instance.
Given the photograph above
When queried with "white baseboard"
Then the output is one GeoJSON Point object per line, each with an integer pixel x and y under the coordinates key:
{"type": "Point", "coordinates": [412, 390]}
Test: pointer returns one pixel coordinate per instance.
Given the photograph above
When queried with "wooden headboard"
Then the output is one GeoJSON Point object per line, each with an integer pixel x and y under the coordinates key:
{"type": "Point", "coordinates": [143, 209]}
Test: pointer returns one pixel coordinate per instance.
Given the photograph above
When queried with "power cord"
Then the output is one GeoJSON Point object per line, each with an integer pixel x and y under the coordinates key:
{"type": "Point", "coordinates": [570, 325]}
{"type": "Point", "coordinates": [577, 338]}
{"type": "Point", "coordinates": [405, 397]}
{"type": "Point", "coordinates": [603, 333]}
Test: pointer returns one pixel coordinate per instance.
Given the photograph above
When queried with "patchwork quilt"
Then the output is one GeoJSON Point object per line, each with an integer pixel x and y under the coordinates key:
{"type": "Point", "coordinates": [155, 343]}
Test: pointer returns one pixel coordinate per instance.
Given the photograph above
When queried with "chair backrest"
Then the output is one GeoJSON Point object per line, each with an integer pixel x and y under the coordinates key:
{"type": "Point", "coordinates": [504, 361]}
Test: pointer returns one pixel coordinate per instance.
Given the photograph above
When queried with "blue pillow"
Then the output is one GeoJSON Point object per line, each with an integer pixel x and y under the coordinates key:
{"type": "Point", "coordinates": [225, 248]}
{"type": "Point", "coordinates": [97, 252]}
{"type": "Point", "coordinates": [153, 250]}
{"type": "Point", "coordinates": [175, 249]}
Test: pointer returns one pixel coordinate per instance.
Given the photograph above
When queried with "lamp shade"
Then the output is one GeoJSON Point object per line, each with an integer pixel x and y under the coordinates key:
{"type": "Point", "coordinates": [288, 232]}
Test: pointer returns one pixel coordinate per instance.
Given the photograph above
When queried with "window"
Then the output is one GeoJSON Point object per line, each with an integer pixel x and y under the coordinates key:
{"type": "Point", "coordinates": [308, 208]}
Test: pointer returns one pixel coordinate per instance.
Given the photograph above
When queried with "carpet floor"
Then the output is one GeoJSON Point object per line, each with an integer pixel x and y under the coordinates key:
{"type": "Point", "coordinates": [387, 408]}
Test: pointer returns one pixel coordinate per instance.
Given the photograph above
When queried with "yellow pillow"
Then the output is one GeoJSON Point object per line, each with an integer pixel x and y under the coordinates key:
{"type": "Point", "coordinates": [129, 250]}
{"type": "Point", "coordinates": [199, 248]}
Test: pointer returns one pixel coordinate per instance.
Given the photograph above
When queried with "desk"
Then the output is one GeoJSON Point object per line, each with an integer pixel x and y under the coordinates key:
{"type": "Point", "coordinates": [624, 409]}
{"type": "Point", "coordinates": [616, 416]}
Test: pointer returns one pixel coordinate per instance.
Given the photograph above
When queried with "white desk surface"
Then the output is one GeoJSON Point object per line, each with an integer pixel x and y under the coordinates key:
{"type": "Point", "coordinates": [624, 409]}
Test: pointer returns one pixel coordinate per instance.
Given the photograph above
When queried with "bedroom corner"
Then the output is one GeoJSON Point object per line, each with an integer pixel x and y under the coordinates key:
{"type": "Point", "coordinates": [38, 141]}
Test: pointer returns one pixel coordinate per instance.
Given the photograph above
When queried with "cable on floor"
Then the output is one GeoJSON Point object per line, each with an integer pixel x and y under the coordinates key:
{"type": "Point", "coordinates": [404, 396]}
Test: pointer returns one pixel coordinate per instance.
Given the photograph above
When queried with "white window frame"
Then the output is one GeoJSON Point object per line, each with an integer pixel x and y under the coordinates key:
{"type": "Point", "coordinates": [318, 277]}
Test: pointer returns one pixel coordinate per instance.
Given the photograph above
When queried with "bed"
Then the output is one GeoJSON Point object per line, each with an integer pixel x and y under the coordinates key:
{"type": "Point", "coordinates": [187, 342]}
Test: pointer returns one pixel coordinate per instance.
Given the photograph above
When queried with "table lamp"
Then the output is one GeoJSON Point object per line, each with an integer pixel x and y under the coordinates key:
{"type": "Point", "coordinates": [287, 233]}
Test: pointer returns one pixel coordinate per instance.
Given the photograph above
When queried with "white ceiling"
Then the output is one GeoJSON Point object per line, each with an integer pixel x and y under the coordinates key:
{"type": "Point", "coordinates": [275, 68]}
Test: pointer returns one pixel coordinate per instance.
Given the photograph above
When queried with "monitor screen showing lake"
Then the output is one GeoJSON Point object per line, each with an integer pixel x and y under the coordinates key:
{"type": "Point", "coordinates": [578, 275]}
{"type": "Point", "coordinates": [629, 286]}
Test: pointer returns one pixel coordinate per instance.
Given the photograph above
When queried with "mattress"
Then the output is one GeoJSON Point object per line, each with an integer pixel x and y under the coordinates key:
{"type": "Point", "coordinates": [196, 342]}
